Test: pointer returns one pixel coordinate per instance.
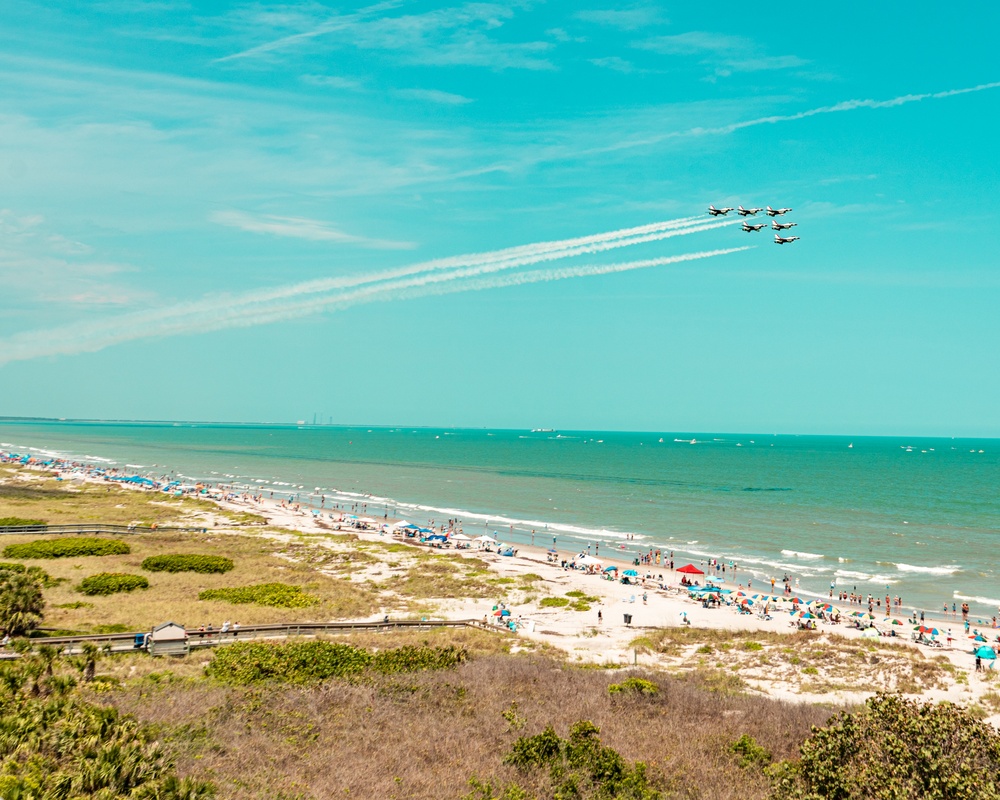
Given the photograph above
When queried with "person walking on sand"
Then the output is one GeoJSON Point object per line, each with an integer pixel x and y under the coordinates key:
{"type": "Point", "coordinates": [600, 617]}
{"type": "Point", "coordinates": [644, 597]}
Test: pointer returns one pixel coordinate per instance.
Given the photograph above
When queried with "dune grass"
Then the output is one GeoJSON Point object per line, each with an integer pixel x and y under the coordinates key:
{"type": "Point", "coordinates": [423, 736]}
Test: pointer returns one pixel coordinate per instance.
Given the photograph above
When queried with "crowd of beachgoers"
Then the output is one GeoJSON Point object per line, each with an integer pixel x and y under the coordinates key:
{"type": "Point", "coordinates": [709, 585]}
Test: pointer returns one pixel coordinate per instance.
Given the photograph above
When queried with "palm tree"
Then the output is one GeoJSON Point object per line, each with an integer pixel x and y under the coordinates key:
{"type": "Point", "coordinates": [21, 603]}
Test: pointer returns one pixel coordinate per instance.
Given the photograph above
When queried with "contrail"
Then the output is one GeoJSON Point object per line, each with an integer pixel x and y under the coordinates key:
{"type": "Point", "coordinates": [279, 303]}
{"type": "Point", "coordinates": [846, 105]}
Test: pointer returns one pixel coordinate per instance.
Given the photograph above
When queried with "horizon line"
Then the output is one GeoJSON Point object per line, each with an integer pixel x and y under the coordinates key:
{"type": "Point", "coordinates": [383, 426]}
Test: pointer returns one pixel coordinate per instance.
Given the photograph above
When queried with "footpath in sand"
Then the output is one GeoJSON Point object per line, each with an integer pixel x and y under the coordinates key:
{"type": "Point", "coordinates": [735, 652]}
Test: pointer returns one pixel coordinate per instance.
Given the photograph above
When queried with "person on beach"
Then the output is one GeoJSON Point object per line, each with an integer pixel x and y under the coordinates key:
{"type": "Point", "coordinates": [600, 617]}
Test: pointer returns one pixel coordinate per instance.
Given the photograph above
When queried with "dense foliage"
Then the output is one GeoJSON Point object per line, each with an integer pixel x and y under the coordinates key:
{"type": "Point", "coordinates": [112, 583]}
{"type": "Point", "coordinates": [37, 573]}
{"type": "Point", "coordinates": [277, 595]}
{"type": "Point", "coordinates": [19, 522]}
{"type": "Point", "coordinates": [187, 563]}
{"type": "Point", "coordinates": [56, 746]}
{"type": "Point", "coordinates": [633, 686]}
{"type": "Point", "coordinates": [309, 662]}
{"type": "Point", "coordinates": [68, 547]}
{"type": "Point", "coordinates": [577, 767]}
{"type": "Point", "coordinates": [21, 603]}
{"type": "Point", "coordinates": [896, 749]}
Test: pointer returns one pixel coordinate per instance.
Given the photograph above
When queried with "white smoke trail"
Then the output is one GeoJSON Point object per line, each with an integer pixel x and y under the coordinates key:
{"type": "Point", "coordinates": [272, 305]}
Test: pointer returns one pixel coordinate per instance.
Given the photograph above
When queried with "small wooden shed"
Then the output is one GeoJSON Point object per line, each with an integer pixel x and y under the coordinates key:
{"type": "Point", "coordinates": [168, 639]}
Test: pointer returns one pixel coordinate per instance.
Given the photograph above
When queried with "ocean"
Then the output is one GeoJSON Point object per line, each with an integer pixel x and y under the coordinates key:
{"type": "Point", "coordinates": [914, 517]}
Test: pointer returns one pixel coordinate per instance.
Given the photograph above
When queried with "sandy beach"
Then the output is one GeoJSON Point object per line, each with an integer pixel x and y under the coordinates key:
{"type": "Point", "coordinates": [610, 641]}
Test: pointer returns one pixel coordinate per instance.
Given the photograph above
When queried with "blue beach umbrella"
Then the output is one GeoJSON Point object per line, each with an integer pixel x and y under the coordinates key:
{"type": "Point", "coordinates": [612, 568]}
{"type": "Point", "coordinates": [986, 652]}
{"type": "Point", "coordinates": [979, 638]}
{"type": "Point", "coordinates": [631, 573]}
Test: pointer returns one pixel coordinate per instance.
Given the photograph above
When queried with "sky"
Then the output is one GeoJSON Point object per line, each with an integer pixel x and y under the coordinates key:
{"type": "Point", "coordinates": [494, 214]}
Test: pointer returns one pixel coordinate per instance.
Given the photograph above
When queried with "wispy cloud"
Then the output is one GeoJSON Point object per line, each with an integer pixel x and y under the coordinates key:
{"type": "Point", "coordinates": [627, 18]}
{"type": "Point", "coordinates": [617, 64]}
{"type": "Point", "coordinates": [459, 273]}
{"type": "Point", "coordinates": [433, 96]}
{"type": "Point", "coordinates": [300, 228]}
{"type": "Point", "coordinates": [37, 263]}
{"type": "Point", "coordinates": [725, 54]}
{"type": "Point", "coordinates": [459, 35]}
{"type": "Point", "coordinates": [333, 81]}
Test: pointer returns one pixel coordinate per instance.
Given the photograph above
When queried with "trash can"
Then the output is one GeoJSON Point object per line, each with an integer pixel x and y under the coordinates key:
{"type": "Point", "coordinates": [628, 619]}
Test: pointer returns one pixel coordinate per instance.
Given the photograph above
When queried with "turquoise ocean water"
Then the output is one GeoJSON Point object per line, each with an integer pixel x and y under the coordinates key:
{"type": "Point", "coordinates": [919, 516]}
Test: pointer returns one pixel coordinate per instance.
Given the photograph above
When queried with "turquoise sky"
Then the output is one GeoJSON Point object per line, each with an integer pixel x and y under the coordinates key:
{"type": "Point", "coordinates": [175, 178]}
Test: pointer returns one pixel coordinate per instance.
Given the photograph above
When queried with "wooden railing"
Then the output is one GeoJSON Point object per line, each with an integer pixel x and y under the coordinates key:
{"type": "Point", "coordinates": [124, 642]}
{"type": "Point", "coordinates": [95, 527]}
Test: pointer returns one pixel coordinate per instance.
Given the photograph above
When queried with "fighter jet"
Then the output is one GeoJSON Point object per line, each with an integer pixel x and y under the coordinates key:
{"type": "Point", "coordinates": [782, 226]}
{"type": "Point", "coordinates": [775, 212]}
{"type": "Point", "coordinates": [719, 212]}
{"type": "Point", "coordinates": [785, 239]}
{"type": "Point", "coordinates": [747, 212]}
{"type": "Point", "coordinates": [748, 228]}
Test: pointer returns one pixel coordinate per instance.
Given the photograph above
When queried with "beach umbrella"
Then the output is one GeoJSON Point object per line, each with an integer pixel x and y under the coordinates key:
{"type": "Point", "coordinates": [631, 573]}
{"type": "Point", "coordinates": [485, 539]}
{"type": "Point", "coordinates": [612, 568]}
{"type": "Point", "coordinates": [505, 613]}
{"type": "Point", "coordinates": [986, 652]}
{"type": "Point", "coordinates": [896, 622]}
{"type": "Point", "coordinates": [870, 633]}
{"type": "Point", "coordinates": [498, 613]}
{"type": "Point", "coordinates": [588, 561]}
{"type": "Point", "coordinates": [553, 550]}
{"type": "Point", "coordinates": [979, 638]}
{"type": "Point", "coordinates": [690, 569]}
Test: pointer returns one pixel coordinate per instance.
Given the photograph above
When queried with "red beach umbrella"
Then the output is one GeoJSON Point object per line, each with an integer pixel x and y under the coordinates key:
{"type": "Point", "coordinates": [690, 569]}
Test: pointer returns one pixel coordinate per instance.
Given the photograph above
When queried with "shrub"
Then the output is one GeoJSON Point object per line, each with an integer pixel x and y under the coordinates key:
{"type": "Point", "coordinates": [634, 686]}
{"type": "Point", "coordinates": [276, 595]}
{"type": "Point", "coordinates": [749, 752]}
{"type": "Point", "coordinates": [7, 566]}
{"type": "Point", "coordinates": [554, 602]}
{"type": "Point", "coordinates": [187, 563]}
{"type": "Point", "coordinates": [111, 583]}
{"type": "Point", "coordinates": [19, 522]}
{"type": "Point", "coordinates": [69, 547]}
{"type": "Point", "coordinates": [896, 749]}
{"type": "Point", "coordinates": [21, 603]}
{"type": "Point", "coordinates": [581, 766]}
{"type": "Point", "coordinates": [309, 662]}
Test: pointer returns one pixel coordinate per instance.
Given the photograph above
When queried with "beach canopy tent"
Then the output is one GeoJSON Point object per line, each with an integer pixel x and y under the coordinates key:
{"type": "Point", "coordinates": [589, 561]}
{"type": "Point", "coordinates": [366, 520]}
{"type": "Point", "coordinates": [460, 537]}
{"type": "Point", "coordinates": [401, 524]}
{"type": "Point", "coordinates": [986, 652]}
{"type": "Point", "coordinates": [484, 539]}
{"type": "Point", "coordinates": [690, 569]}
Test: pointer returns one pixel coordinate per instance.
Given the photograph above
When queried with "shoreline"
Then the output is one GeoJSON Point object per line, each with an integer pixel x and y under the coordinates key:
{"type": "Point", "coordinates": [514, 531]}
{"type": "Point", "coordinates": [599, 634]}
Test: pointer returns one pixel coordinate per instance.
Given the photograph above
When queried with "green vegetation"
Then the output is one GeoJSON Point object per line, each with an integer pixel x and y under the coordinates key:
{"type": "Point", "coordinates": [21, 603]}
{"type": "Point", "coordinates": [54, 744]}
{"type": "Point", "coordinates": [553, 602]}
{"type": "Point", "coordinates": [104, 583]}
{"type": "Point", "coordinates": [187, 563]}
{"type": "Point", "coordinates": [749, 753]}
{"type": "Point", "coordinates": [68, 547]}
{"type": "Point", "coordinates": [309, 662]}
{"type": "Point", "coordinates": [634, 686]}
{"type": "Point", "coordinates": [580, 766]}
{"type": "Point", "coordinates": [896, 749]}
{"type": "Point", "coordinates": [276, 595]}
{"type": "Point", "coordinates": [19, 522]}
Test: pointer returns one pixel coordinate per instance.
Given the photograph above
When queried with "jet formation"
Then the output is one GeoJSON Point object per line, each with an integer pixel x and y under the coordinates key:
{"type": "Point", "coordinates": [749, 227]}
